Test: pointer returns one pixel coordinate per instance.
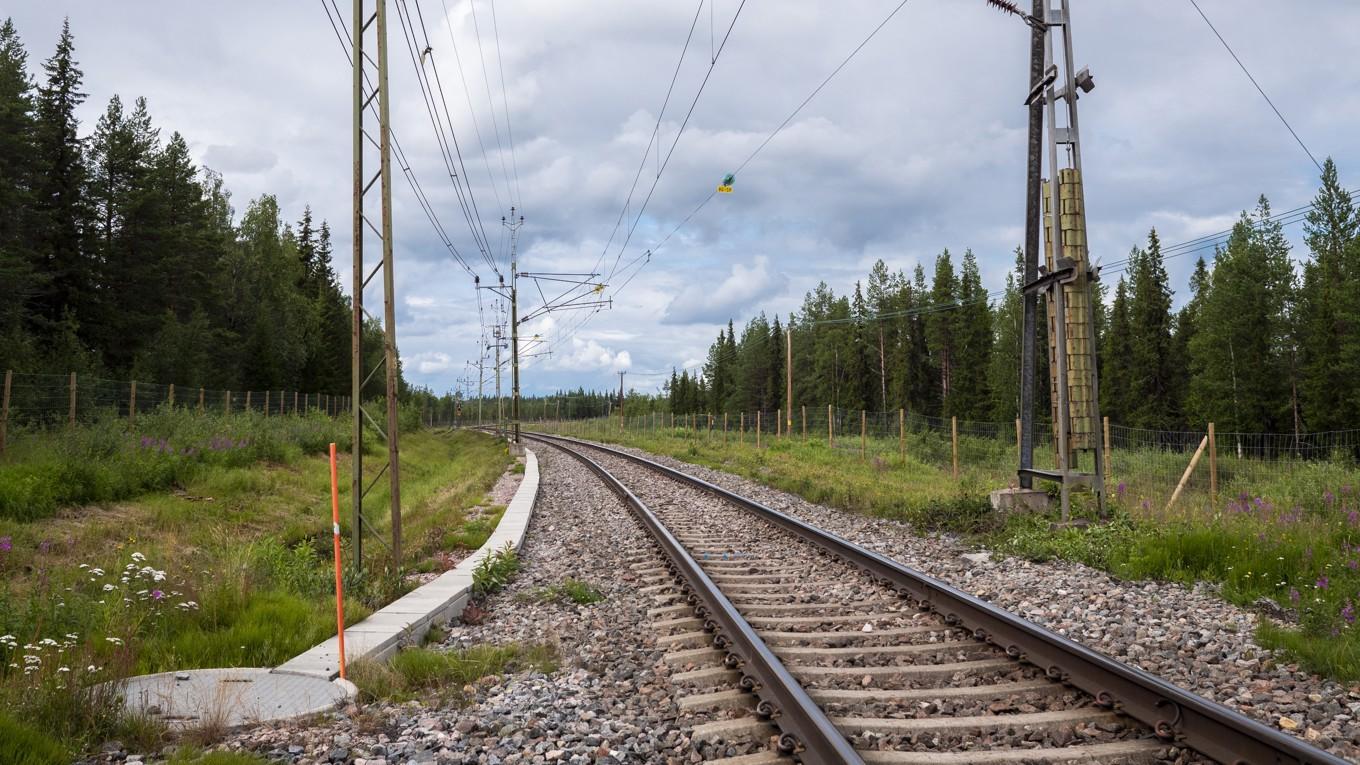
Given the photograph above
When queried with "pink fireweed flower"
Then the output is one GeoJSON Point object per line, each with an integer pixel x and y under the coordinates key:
{"type": "Point", "coordinates": [1323, 582]}
{"type": "Point", "coordinates": [6, 544]}
{"type": "Point", "coordinates": [157, 595]}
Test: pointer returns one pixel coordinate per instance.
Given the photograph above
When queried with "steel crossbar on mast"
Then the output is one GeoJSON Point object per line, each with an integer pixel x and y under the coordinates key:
{"type": "Point", "coordinates": [383, 233]}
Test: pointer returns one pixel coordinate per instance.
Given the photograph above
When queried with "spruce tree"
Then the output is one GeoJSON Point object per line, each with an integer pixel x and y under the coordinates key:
{"type": "Point", "coordinates": [1116, 377]}
{"type": "Point", "coordinates": [19, 278]}
{"type": "Point", "coordinates": [57, 191]}
{"type": "Point", "coordinates": [1003, 375]}
{"type": "Point", "coordinates": [942, 329]}
{"type": "Point", "coordinates": [1328, 309]}
{"type": "Point", "coordinates": [1152, 381]}
{"type": "Point", "coordinates": [973, 343]}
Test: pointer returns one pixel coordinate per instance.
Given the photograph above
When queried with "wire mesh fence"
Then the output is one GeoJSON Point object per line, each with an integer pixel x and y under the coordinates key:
{"type": "Point", "coordinates": [34, 403]}
{"type": "Point", "coordinates": [1143, 466]}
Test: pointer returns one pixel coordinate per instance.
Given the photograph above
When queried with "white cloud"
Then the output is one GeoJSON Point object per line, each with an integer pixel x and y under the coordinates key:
{"type": "Point", "coordinates": [704, 303]}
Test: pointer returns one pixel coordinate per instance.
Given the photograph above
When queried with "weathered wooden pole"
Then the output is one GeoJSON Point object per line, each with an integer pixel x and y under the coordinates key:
{"type": "Point", "coordinates": [741, 428]}
{"type": "Point", "coordinates": [1213, 465]}
{"type": "Point", "coordinates": [1185, 478]}
{"type": "Point", "coordinates": [804, 408]}
{"type": "Point", "coordinates": [132, 402]}
{"type": "Point", "coordinates": [201, 393]}
{"type": "Point", "coordinates": [863, 434]}
{"type": "Point", "coordinates": [4, 409]}
{"type": "Point", "coordinates": [170, 395]}
{"type": "Point", "coordinates": [954, 436]}
{"type": "Point", "coordinates": [902, 432]}
{"type": "Point", "coordinates": [830, 427]}
{"type": "Point", "coordinates": [757, 428]}
{"type": "Point", "coordinates": [71, 418]}
{"type": "Point", "coordinates": [248, 407]}
{"type": "Point", "coordinates": [1105, 424]}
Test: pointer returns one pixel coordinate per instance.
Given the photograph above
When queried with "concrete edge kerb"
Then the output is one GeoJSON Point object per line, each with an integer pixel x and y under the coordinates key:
{"type": "Point", "coordinates": [406, 620]}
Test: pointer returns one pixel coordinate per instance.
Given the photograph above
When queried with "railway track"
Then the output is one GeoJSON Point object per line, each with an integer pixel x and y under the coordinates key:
{"type": "Point", "coordinates": [804, 646]}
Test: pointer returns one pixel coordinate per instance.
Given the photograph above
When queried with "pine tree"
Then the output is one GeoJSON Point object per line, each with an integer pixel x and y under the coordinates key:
{"type": "Point", "coordinates": [860, 373]}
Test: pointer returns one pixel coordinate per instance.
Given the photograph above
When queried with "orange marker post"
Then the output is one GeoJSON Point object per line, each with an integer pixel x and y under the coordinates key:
{"type": "Point", "coordinates": [339, 586]}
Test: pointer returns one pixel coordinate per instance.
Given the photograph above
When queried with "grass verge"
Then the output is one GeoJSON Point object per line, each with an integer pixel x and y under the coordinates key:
{"type": "Point", "coordinates": [231, 567]}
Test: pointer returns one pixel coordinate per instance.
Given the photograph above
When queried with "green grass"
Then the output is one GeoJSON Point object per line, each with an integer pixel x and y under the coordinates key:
{"type": "Point", "coordinates": [422, 673]}
{"type": "Point", "coordinates": [572, 590]}
{"type": "Point", "coordinates": [22, 745]}
{"type": "Point", "coordinates": [188, 755]}
{"type": "Point", "coordinates": [232, 568]}
{"type": "Point", "coordinates": [1288, 532]}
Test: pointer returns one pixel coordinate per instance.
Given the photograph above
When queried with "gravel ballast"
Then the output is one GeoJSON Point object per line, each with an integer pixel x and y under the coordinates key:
{"type": "Point", "coordinates": [1190, 637]}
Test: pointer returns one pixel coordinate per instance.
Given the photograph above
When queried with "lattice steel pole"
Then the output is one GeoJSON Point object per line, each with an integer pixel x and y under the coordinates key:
{"type": "Point", "coordinates": [362, 184]}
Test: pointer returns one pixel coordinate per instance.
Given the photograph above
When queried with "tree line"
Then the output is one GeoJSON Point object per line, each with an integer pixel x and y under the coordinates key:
{"type": "Point", "coordinates": [1264, 343]}
{"type": "Point", "coordinates": [119, 257]}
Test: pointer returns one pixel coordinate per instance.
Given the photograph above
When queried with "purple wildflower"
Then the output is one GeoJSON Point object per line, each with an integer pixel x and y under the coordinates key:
{"type": "Point", "coordinates": [1328, 497]}
{"type": "Point", "coordinates": [45, 546]}
{"type": "Point", "coordinates": [1353, 517]}
{"type": "Point", "coordinates": [1146, 505]}
{"type": "Point", "coordinates": [1323, 582]}
{"type": "Point", "coordinates": [1121, 490]}
{"type": "Point", "coordinates": [157, 594]}
{"type": "Point", "coordinates": [1294, 596]}
{"type": "Point", "coordinates": [1353, 564]}
{"type": "Point", "coordinates": [6, 544]}
{"type": "Point", "coordinates": [1348, 613]}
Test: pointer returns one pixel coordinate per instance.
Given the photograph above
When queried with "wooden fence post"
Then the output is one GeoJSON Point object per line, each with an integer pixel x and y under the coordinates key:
{"type": "Point", "coordinates": [132, 403]}
{"type": "Point", "coordinates": [266, 403]}
{"type": "Point", "coordinates": [1105, 423]}
{"type": "Point", "coordinates": [295, 398]}
{"type": "Point", "coordinates": [830, 430]}
{"type": "Point", "coordinates": [902, 432]}
{"type": "Point", "coordinates": [804, 422]}
{"type": "Point", "coordinates": [1213, 465]}
{"type": "Point", "coordinates": [71, 418]}
{"type": "Point", "coordinates": [200, 400]}
{"type": "Point", "coordinates": [863, 434]}
{"type": "Point", "coordinates": [741, 428]}
{"type": "Point", "coordinates": [4, 410]}
{"type": "Point", "coordinates": [170, 396]}
{"type": "Point", "coordinates": [954, 436]}
{"type": "Point", "coordinates": [1185, 478]}
{"type": "Point", "coordinates": [226, 402]}
{"type": "Point", "coordinates": [724, 428]}
{"type": "Point", "coordinates": [778, 423]}
{"type": "Point", "coordinates": [247, 401]}
{"type": "Point", "coordinates": [757, 428]}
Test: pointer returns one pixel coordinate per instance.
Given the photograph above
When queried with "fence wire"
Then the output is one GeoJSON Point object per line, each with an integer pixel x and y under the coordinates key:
{"type": "Point", "coordinates": [36, 403]}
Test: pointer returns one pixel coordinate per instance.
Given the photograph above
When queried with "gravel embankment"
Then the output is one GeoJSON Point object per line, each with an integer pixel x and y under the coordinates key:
{"type": "Point", "coordinates": [610, 700]}
{"type": "Point", "coordinates": [1188, 636]}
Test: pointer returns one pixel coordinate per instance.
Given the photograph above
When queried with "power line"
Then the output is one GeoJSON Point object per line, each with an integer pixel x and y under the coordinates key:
{"type": "Point", "coordinates": [1256, 84]}
{"type": "Point", "coordinates": [409, 174]}
{"type": "Point", "coordinates": [505, 100]}
{"type": "Point", "coordinates": [486, 79]}
{"type": "Point", "coordinates": [685, 123]}
{"type": "Point", "coordinates": [467, 93]}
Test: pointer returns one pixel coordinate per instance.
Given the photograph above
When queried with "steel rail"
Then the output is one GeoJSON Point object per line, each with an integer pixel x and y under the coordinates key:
{"type": "Point", "coordinates": [804, 727]}
{"type": "Point", "coordinates": [1174, 714]}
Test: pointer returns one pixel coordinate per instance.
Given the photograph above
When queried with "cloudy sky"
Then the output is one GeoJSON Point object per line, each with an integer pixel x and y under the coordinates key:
{"type": "Point", "coordinates": [917, 145]}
